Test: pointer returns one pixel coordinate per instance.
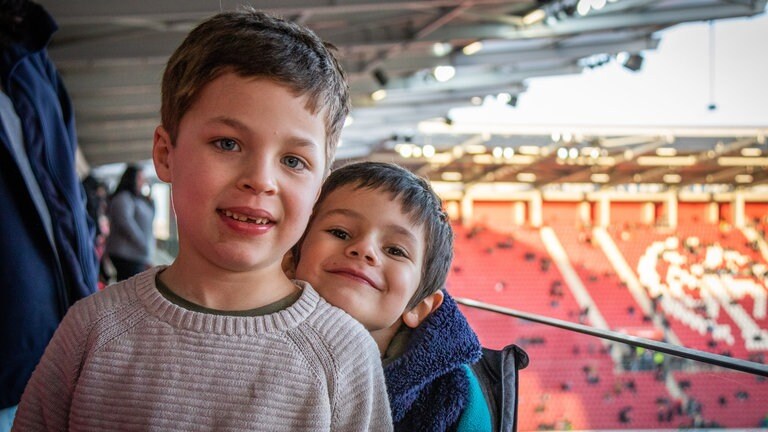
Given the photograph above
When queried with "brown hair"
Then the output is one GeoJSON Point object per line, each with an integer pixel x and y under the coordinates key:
{"type": "Point", "coordinates": [254, 44]}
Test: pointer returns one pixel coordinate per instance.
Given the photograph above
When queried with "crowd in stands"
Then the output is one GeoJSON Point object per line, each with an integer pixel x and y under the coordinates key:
{"type": "Point", "coordinates": [695, 293]}
{"type": "Point", "coordinates": [677, 273]}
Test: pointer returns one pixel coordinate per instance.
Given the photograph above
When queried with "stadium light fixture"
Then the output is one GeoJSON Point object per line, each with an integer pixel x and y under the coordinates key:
{"type": "Point", "coordinates": [379, 95]}
{"type": "Point", "coordinates": [736, 161]}
{"type": "Point", "coordinates": [483, 159]}
{"type": "Point", "coordinates": [451, 176]}
{"type": "Point", "coordinates": [504, 97]}
{"type": "Point", "coordinates": [428, 151]}
{"type": "Point", "coordinates": [530, 150]}
{"type": "Point", "coordinates": [526, 177]}
{"type": "Point", "coordinates": [666, 151]}
{"type": "Point", "coordinates": [666, 160]}
{"type": "Point", "coordinates": [404, 150]}
{"type": "Point", "coordinates": [634, 62]}
{"type": "Point", "coordinates": [475, 148]}
{"type": "Point", "coordinates": [441, 49]}
{"type": "Point", "coordinates": [535, 16]}
{"type": "Point", "coordinates": [472, 48]}
{"type": "Point", "coordinates": [444, 73]}
{"type": "Point", "coordinates": [751, 152]}
{"type": "Point", "coordinates": [583, 7]}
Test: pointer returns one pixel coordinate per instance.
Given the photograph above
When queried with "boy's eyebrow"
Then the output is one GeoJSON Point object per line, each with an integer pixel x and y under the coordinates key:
{"type": "Point", "coordinates": [398, 229]}
{"type": "Point", "coordinates": [231, 122]}
{"type": "Point", "coordinates": [242, 127]}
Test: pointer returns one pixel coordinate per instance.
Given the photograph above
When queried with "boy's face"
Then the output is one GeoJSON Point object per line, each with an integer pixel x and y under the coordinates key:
{"type": "Point", "coordinates": [246, 169]}
{"type": "Point", "coordinates": [363, 255]}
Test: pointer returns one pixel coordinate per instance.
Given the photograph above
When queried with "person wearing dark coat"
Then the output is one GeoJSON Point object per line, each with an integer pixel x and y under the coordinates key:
{"type": "Point", "coordinates": [47, 256]}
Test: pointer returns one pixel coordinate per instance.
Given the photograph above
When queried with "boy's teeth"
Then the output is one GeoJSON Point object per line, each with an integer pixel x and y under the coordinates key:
{"type": "Point", "coordinates": [243, 218]}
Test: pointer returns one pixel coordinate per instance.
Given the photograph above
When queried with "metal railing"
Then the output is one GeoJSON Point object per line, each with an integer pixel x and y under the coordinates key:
{"type": "Point", "coordinates": [677, 350]}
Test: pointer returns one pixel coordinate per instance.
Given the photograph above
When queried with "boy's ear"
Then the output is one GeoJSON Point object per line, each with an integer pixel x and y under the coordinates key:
{"type": "Point", "coordinates": [289, 267]}
{"type": "Point", "coordinates": [421, 311]}
{"type": "Point", "coordinates": [161, 151]}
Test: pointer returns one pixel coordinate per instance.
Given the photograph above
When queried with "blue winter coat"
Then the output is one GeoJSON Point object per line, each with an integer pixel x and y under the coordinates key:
{"type": "Point", "coordinates": [428, 384]}
{"type": "Point", "coordinates": [38, 283]}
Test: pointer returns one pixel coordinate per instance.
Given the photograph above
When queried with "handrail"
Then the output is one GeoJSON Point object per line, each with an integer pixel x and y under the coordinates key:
{"type": "Point", "coordinates": [680, 351]}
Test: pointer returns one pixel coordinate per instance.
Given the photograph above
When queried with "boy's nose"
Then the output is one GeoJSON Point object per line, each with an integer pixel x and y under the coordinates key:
{"type": "Point", "coordinates": [364, 250]}
{"type": "Point", "coordinates": [258, 179]}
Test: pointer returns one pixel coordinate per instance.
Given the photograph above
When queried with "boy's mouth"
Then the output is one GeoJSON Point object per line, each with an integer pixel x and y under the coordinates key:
{"type": "Point", "coordinates": [354, 274]}
{"type": "Point", "coordinates": [244, 218]}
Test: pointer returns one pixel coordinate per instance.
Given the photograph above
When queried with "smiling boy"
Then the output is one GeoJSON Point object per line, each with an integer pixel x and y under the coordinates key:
{"type": "Point", "coordinates": [221, 339]}
{"type": "Point", "coordinates": [379, 246]}
{"type": "Point", "coordinates": [242, 188]}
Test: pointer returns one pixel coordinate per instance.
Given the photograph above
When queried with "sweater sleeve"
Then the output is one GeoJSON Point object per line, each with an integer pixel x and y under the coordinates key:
{"type": "Point", "coordinates": [45, 404]}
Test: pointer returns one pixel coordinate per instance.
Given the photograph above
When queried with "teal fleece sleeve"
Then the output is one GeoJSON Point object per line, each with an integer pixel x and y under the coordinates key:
{"type": "Point", "coordinates": [476, 416]}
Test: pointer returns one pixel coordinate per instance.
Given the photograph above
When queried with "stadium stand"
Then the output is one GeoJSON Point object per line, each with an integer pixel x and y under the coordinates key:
{"type": "Point", "coordinates": [579, 382]}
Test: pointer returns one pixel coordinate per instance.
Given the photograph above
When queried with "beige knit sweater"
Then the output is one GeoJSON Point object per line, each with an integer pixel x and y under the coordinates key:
{"type": "Point", "coordinates": [128, 359]}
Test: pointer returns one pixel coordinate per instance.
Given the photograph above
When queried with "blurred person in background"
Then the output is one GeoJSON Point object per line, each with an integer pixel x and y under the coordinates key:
{"type": "Point", "coordinates": [131, 241]}
{"type": "Point", "coordinates": [97, 197]}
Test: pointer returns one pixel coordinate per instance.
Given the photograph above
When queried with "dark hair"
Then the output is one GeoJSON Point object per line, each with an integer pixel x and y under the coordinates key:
{"type": "Point", "coordinates": [128, 181]}
{"type": "Point", "coordinates": [254, 44]}
{"type": "Point", "coordinates": [95, 199]}
{"type": "Point", "coordinates": [418, 200]}
{"type": "Point", "coordinates": [14, 22]}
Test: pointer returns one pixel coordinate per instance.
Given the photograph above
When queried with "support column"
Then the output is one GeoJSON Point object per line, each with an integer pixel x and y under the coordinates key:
{"type": "Point", "coordinates": [518, 213]}
{"type": "Point", "coordinates": [535, 209]}
{"type": "Point", "coordinates": [585, 213]}
{"type": "Point", "coordinates": [466, 210]}
{"type": "Point", "coordinates": [603, 211]}
{"type": "Point", "coordinates": [453, 208]}
{"type": "Point", "coordinates": [737, 206]}
{"type": "Point", "coordinates": [713, 212]}
{"type": "Point", "coordinates": [649, 214]}
{"type": "Point", "coordinates": [672, 208]}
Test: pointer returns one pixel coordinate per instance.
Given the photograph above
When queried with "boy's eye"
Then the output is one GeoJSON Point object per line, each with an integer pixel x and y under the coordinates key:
{"type": "Point", "coordinates": [339, 233]}
{"type": "Point", "coordinates": [397, 251]}
{"type": "Point", "coordinates": [294, 162]}
{"type": "Point", "coordinates": [227, 144]}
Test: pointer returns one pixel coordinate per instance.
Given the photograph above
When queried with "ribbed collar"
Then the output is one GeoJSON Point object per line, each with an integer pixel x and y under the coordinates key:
{"type": "Point", "coordinates": [198, 322]}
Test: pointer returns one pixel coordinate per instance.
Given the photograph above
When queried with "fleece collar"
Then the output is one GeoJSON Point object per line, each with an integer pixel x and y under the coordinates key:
{"type": "Point", "coordinates": [427, 386]}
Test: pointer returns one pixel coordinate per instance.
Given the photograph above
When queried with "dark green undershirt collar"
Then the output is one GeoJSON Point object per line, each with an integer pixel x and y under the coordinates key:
{"type": "Point", "coordinates": [271, 308]}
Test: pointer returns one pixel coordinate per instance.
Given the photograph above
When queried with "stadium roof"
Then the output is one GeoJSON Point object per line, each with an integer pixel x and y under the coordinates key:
{"type": "Point", "coordinates": [111, 54]}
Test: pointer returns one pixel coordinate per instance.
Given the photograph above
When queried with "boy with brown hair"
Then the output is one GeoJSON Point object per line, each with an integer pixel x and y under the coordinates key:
{"type": "Point", "coordinates": [221, 339]}
{"type": "Point", "coordinates": [379, 246]}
